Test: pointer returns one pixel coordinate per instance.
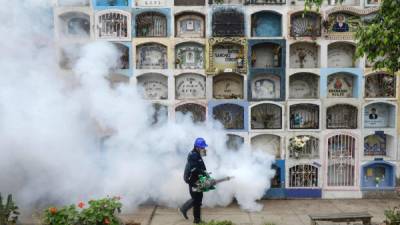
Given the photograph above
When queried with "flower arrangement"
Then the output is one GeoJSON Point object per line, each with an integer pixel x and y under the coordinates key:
{"type": "Point", "coordinates": [297, 144]}
{"type": "Point", "coordinates": [98, 212]}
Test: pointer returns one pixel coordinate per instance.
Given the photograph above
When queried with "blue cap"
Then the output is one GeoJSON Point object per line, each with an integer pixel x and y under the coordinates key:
{"type": "Point", "coordinates": [200, 143]}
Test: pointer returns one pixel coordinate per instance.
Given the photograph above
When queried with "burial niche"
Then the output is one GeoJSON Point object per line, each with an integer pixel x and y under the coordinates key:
{"type": "Point", "coordinates": [230, 115]}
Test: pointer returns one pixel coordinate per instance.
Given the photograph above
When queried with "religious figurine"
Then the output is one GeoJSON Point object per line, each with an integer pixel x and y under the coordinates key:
{"type": "Point", "coordinates": [253, 58]}
{"type": "Point", "coordinates": [240, 60]}
{"type": "Point", "coordinates": [340, 24]}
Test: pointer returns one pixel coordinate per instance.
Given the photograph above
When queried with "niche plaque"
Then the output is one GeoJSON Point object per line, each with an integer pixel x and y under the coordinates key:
{"type": "Point", "coordinates": [228, 86]}
{"type": "Point", "coordinates": [155, 86]}
{"type": "Point", "coordinates": [190, 86]}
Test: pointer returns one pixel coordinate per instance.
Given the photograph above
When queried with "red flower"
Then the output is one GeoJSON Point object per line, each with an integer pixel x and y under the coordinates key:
{"type": "Point", "coordinates": [81, 205]}
{"type": "Point", "coordinates": [106, 221]}
{"type": "Point", "coordinates": [53, 210]}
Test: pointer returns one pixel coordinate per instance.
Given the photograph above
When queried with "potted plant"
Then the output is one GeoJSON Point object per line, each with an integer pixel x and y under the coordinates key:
{"type": "Point", "coordinates": [297, 145]}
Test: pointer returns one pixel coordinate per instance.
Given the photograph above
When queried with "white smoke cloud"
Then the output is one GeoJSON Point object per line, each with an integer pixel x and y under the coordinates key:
{"type": "Point", "coordinates": [51, 147]}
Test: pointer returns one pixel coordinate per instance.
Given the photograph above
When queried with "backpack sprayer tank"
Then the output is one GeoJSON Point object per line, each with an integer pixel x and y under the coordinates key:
{"type": "Point", "coordinates": [207, 183]}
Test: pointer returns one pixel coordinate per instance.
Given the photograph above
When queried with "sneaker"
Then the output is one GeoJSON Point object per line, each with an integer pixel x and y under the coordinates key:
{"type": "Point", "coordinates": [184, 214]}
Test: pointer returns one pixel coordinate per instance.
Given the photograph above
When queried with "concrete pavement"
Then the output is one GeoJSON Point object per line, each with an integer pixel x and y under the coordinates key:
{"type": "Point", "coordinates": [280, 212]}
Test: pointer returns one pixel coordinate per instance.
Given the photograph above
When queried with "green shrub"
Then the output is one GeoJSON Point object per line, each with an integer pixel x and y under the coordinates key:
{"type": "Point", "coordinates": [392, 216]}
{"type": "Point", "coordinates": [8, 211]}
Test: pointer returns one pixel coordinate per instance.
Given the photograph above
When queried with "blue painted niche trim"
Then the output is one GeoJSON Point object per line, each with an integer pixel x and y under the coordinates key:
{"type": "Point", "coordinates": [165, 11]}
{"type": "Point", "coordinates": [104, 4]}
{"type": "Point", "coordinates": [390, 175]}
{"type": "Point", "coordinates": [304, 193]}
{"type": "Point", "coordinates": [270, 24]}
{"type": "Point", "coordinates": [213, 103]}
{"type": "Point", "coordinates": [278, 193]}
{"type": "Point", "coordinates": [325, 72]}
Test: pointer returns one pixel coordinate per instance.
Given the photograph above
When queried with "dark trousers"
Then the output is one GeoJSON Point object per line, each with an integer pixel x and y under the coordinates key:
{"type": "Point", "coordinates": [195, 202]}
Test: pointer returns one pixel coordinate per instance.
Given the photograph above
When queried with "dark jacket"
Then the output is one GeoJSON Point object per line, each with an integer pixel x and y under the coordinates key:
{"type": "Point", "coordinates": [194, 167]}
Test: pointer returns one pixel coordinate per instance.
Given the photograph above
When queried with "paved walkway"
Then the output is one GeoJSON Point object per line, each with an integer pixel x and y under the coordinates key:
{"type": "Point", "coordinates": [280, 212]}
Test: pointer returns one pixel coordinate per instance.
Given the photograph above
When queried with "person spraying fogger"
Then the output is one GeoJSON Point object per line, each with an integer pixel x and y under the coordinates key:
{"type": "Point", "coordinates": [198, 179]}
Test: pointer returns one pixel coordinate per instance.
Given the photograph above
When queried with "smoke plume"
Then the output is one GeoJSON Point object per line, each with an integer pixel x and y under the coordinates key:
{"type": "Point", "coordinates": [69, 136]}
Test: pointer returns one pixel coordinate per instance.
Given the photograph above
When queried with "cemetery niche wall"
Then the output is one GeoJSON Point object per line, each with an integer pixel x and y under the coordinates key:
{"type": "Point", "coordinates": [378, 174]}
{"type": "Point", "coordinates": [196, 112]}
{"type": "Point", "coordinates": [228, 86]}
{"type": "Point", "coordinates": [341, 116]}
{"type": "Point", "coordinates": [230, 2]}
{"type": "Point", "coordinates": [151, 56]}
{"type": "Point", "coordinates": [304, 55]}
{"type": "Point", "coordinates": [266, 116]}
{"type": "Point", "coordinates": [265, 2]}
{"type": "Point", "coordinates": [189, 25]}
{"type": "Point", "coordinates": [189, 55]}
{"type": "Point", "coordinates": [341, 161]}
{"type": "Point", "coordinates": [227, 22]}
{"type": "Point", "coordinates": [341, 85]}
{"type": "Point", "coordinates": [160, 114]}
{"type": "Point", "coordinates": [189, 2]}
{"type": "Point", "coordinates": [116, 79]}
{"type": "Point", "coordinates": [277, 189]}
{"type": "Point", "coordinates": [266, 55]}
{"type": "Point", "coordinates": [74, 25]}
{"type": "Point", "coordinates": [308, 25]}
{"type": "Point", "coordinates": [380, 85]}
{"type": "Point", "coordinates": [151, 24]}
{"type": "Point", "coordinates": [113, 25]}
{"type": "Point", "coordinates": [109, 3]}
{"type": "Point", "coordinates": [124, 59]}
{"type": "Point", "coordinates": [379, 144]}
{"type": "Point", "coordinates": [266, 24]}
{"type": "Point", "coordinates": [342, 21]}
{"type": "Point", "coordinates": [304, 86]}
{"type": "Point", "coordinates": [304, 116]}
{"type": "Point", "coordinates": [341, 54]}
{"type": "Point", "coordinates": [227, 55]}
{"type": "Point", "coordinates": [380, 115]}
{"type": "Point", "coordinates": [154, 86]}
{"type": "Point", "coordinates": [269, 143]}
{"type": "Point", "coordinates": [303, 175]}
{"type": "Point", "coordinates": [150, 3]}
{"type": "Point", "coordinates": [264, 86]}
{"type": "Point", "coordinates": [234, 142]}
{"type": "Point", "coordinates": [190, 86]}
{"type": "Point", "coordinates": [69, 54]}
{"type": "Point", "coordinates": [230, 115]}
{"type": "Point", "coordinates": [309, 151]}
{"type": "Point", "coordinates": [73, 3]}
{"type": "Point", "coordinates": [303, 182]}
